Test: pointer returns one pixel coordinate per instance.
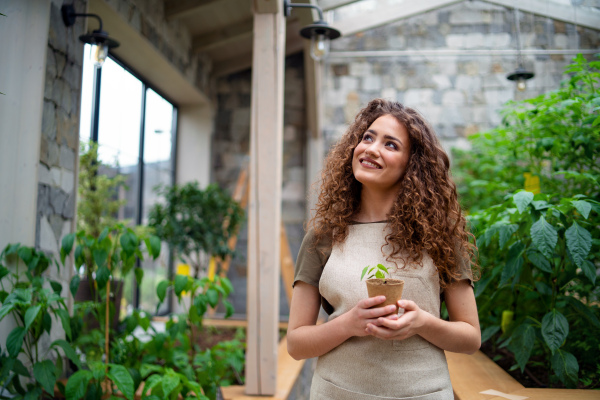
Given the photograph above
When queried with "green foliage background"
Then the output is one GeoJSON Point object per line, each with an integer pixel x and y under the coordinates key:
{"type": "Point", "coordinates": [540, 252]}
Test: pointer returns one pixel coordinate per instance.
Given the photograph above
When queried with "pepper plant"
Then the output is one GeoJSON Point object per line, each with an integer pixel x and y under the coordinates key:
{"type": "Point", "coordinates": [539, 248]}
{"type": "Point", "coordinates": [35, 303]}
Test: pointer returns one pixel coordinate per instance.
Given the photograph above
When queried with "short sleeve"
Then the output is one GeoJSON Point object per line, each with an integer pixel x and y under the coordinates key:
{"type": "Point", "coordinates": [463, 268]}
{"type": "Point", "coordinates": [312, 257]}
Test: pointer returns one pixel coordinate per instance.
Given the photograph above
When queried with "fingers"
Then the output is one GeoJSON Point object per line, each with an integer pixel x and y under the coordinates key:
{"type": "Point", "coordinates": [407, 305]}
{"type": "Point", "coordinates": [371, 301]}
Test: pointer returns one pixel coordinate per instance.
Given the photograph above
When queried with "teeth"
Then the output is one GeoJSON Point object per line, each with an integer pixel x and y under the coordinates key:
{"type": "Point", "coordinates": [365, 162]}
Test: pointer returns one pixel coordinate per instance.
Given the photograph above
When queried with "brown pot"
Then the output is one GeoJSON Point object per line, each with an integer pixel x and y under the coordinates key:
{"type": "Point", "coordinates": [390, 288]}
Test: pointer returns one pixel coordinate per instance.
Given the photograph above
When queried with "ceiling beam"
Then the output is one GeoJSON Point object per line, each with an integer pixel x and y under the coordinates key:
{"type": "Point", "coordinates": [327, 5]}
{"type": "Point", "coordinates": [589, 18]}
{"type": "Point", "coordinates": [223, 37]}
{"type": "Point", "coordinates": [181, 8]}
{"type": "Point", "coordinates": [385, 15]}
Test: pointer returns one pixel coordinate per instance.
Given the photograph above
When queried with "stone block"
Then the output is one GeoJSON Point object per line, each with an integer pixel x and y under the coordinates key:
{"type": "Point", "coordinates": [48, 241]}
{"type": "Point", "coordinates": [49, 121]}
{"type": "Point", "coordinates": [57, 34]}
{"type": "Point", "coordinates": [453, 97]}
{"type": "Point", "coordinates": [389, 94]}
{"type": "Point", "coordinates": [498, 97]}
{"type": "Point", "coordinates": [396, 42]}
{"type": "Point", "coordinates": [61, 61]}
{"type": "Point", "coordinates": [44, 175]}
{"type": "Point", "coordinates": [452, 116]}
{"type": "Point", "coordinates": [69, 207]}
{"type": "Point", "coordinates": [468, 83]}
{"type": "Point", "coordinates": [561, 41]}
{"type": "Point", "coordinates": [441, 82]}
{"type": "Point", "coordinates": [348, 83]}
{"type": "Point", "coordinates": [67, 182]}
{"type": "Point", "coordinates": [56, 223]}
{"type": "Point", "coordinates": [416, 97]}
{"type": "Point", "coordinates": [289, 133]}
{"type": "Point", "coordinates": [351, 107]}
{"type": "Point", "coordinates": [50, 153]}
{"type": "Point", "coordinates": [67, 158]}
{"type": "Point", "coordinates": [57, 199]}
{"type": "Point", "coordinates": [360, 68]}
{"type": "Point", "coordinates": [464, 16]}
{"type": "Point", "coordinates": [340, 69]}
{"type": "Point", "coordinates": [497, 40]}
{"type": "Point", "coordinates": [469, 67]}
{"type": "Point", "coordinates": [400, 82]}
{"type": "Point", "coordinates": [371, 83]}
{"type": "Point", "coordinates": [495, 81]}
{"type": "Point", "coordinates": [50, 63]}
{"type": "Point", "coordinates": [293, 191]}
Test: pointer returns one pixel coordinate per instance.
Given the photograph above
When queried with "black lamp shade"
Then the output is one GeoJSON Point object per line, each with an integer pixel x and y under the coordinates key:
{"type": "Point", "coordinates": [520, 74]}
{"type": "Point", "coordinates": [319, 28]}
{"type": "Point", "coordinates": [98, 37]}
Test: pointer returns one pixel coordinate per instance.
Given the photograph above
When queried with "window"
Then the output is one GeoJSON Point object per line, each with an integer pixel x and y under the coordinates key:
{"type": "Point", "coordinates": [135, 131]}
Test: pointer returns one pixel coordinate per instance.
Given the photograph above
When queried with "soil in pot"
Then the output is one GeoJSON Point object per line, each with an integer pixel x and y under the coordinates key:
{"type": "Point", "coordinates": [390, 288]}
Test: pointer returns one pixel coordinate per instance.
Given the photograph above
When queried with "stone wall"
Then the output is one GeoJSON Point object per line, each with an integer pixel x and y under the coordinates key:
{"type": "Point", "coordinates": [231, 141]}
{"type": "Point", "coordinates": [171, 38]}
{"type": "Point", "coordinates": [60, 131]}
{"type": "Point", "coordinates": [460, 94]}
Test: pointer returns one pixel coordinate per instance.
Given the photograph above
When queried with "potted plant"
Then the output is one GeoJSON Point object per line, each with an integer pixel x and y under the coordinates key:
{"type": "Point", "coordinates": [380, 285]}
{"type": "Point", "coordinates": [197, 223]}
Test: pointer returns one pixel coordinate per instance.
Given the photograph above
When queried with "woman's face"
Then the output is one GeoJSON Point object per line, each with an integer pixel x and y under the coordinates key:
{"type": "Point", "coordinates": [381, 158]}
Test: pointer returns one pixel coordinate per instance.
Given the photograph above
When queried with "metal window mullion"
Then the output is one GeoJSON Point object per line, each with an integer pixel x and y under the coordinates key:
{"type": "Point", "coordinates": [140, 187]}
{"type": "Point", "coordinates": [174, 137]}
{"type": "Point", "coordinates": [94, 126]}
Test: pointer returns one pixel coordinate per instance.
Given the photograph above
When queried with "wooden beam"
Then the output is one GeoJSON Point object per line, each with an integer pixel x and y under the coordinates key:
{"type": "Point", "coordinates": [327, 5]}
{"type": "Point", "coordinates": [181, 8]}
{"type": "Point", "coordinates": [268, 6]}
{"type": "Point", "coordinates": [223, 37]}
{"type": "Point", "coordinates": [385, 15]}
{"type": "Point", "coordinates": [264, 209]}
{"type": "Point", "coordinates": [287, 264]}
{"type": "Point", "coordinates": [588, 17]}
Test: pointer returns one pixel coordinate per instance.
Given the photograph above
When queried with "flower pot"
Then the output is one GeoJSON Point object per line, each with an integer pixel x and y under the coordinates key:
{"type": "Point", "coordinates": [87, 292]}
{"type": "Point", "coordinates": [390, 288]}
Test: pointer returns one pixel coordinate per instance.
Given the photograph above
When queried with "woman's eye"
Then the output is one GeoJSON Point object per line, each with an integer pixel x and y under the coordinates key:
{"type": "Point", "coordinates": [367, 138]}
{"type": "Point", "coordinates": [392, 145]}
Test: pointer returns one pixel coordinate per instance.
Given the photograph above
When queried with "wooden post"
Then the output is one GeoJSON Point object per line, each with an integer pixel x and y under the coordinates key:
{"type": "Point", "coordinates": [264, 209]}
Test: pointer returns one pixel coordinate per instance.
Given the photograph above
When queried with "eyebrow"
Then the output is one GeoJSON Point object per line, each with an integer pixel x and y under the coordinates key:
{"type": "Point", "coordinates": [389, 137]}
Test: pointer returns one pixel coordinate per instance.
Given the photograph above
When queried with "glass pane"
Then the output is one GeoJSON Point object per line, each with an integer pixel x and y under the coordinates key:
{"type": "Point", "coordinates": [158, 143]}
{"type": "Point", "coordinates": [87, 91]}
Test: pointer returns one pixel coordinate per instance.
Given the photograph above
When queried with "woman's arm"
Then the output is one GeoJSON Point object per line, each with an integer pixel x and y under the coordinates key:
{"type": "Point", "coordinates": [305, 339]}
{"type": "Point", "coordinates": [460, 335]}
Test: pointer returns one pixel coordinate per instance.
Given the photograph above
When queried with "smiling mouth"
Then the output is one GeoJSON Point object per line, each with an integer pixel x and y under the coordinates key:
{"type": "Point", "coordinates": [369, 164]}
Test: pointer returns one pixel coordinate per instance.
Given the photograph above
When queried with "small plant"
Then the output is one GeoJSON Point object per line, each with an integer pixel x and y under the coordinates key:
{"type": "Point", "coordinates": [35, 302]}
{"type": "Point", "coordinates": [378, 272]}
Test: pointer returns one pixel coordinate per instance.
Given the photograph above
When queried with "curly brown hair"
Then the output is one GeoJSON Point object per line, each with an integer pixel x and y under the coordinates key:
{"type": "Point", "coordinates": [426, 215]}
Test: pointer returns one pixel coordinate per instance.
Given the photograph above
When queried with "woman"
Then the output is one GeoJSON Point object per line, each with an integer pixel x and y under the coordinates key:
{"type": "Point", "coordinates": [386, 197]}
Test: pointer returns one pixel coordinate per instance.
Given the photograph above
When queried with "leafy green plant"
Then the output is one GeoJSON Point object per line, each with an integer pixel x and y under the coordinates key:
{"type": "Point", "coordinates": [197, 223]}
{"type": "Point", "coordinates": [166, 383]}
{"type": "Point", "coordinates": [98, 381]}
{"type": "Point", "coordinates": [34, 301]}
{"type": "Point", "coordinates": [539, 248]}
{"type": "Point", "coordinates": [378, 272]}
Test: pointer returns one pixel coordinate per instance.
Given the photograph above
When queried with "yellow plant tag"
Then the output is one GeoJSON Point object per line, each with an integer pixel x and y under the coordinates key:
{"type": "Point", "coordinates": [183, 269]}
{"type": "Point", "coordinates": [532, 183]}
{"type": "Point", "coordinates": [212, 269]}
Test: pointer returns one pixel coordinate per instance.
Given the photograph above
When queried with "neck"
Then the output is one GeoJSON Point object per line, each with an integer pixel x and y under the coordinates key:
{"type": "Point", "coordinates": [375, 205]}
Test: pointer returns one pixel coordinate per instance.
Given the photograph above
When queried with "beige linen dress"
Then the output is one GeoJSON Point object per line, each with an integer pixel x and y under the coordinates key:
{"type": "Point", "coordinates": [364, 368]}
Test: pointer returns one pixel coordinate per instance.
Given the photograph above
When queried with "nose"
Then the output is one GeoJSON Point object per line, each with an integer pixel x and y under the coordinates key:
{"type": "Point", "coordinates": [372, 150]}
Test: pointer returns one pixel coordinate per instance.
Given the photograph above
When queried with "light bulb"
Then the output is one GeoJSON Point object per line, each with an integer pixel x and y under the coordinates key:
{"type": "Point", "coordinates": [521, 84]}
{"type": "Point", "coordinates": [99, 53]}
{"type": "Point", "coordinates": [319, 46]}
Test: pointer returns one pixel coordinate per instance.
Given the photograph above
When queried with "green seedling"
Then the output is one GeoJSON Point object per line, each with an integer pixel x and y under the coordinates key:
{"type": "Point", "coordinates": [375, 272]}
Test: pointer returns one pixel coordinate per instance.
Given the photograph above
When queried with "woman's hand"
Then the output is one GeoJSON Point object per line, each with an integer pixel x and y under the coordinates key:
{"type": "Point", "coordinates": [399, 327]}
{"type": "Point", "coordinates": [362, 315]}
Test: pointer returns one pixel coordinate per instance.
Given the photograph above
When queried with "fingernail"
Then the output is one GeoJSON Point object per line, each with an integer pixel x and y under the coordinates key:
{"type": "Point", "coordinates": [401, 303]}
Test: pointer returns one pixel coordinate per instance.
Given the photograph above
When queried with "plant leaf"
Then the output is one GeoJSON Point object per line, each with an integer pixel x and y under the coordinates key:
{"type": "Point", "coordinates": [102, 276]}
{"type": "Point", "coordinates": [364, 271]}
{"type": "Point", "coordinates": [539, 260]}
{"type": "Point", "coordinates": [565, 365]}
{"type": "Point", "coordinates": [14, 341]}
{"type": "Point", "coordinates": [69, 351]}
{"type": "Point", "coordinates": [65, 319]}
{"type": "Point", "coordinates": [555, 329]}
{"type": "Point", "coordinates": [379, 275]}
{"type": "Point", "coordinates": [56, 287]}
{"type": "Point", "coordinates": [544, 237]}
{"type": "Point", "coordinates": [161, 290]}
{"type": "Point", "coordinates": [44, 373]}
{"type": "Point", "coordinates": [154, 246]}
{"type": "Point", "coordinates": [213, 297]}
{"type": "Point", "coordinates": [74, 284]}
{"type": "Point", "coordinates": [589, 270]}
{"type": "Point", "coordinates": [579, 243]}
{"type": "Point", "coordinates": [147, 369]}
{"type": "Point", "coordinates": [522, 200]}
{"type": "Point", "coordinates": [514, 262]}
{"type": "Point", "coordinates": [30, 315]}
{"type": "Point", "coordinates": [122, 378]}
{"type": "Point", "coordinates": [152, 381]}
{"type": "Point", "coordinates": [169, 382]}
{"type": "Point", "coordinates": [583, 207]}
{"type": "Point", "coordinates": [66, 246]}
{"type": "Point", "coordinates": [522, 344]}
{"type": "Point", "coordinates": [180, 284]}
{"type": "Point", "coordinates": [100, 257]}
{"type": "Point", "coordinates": [139, 275]}
{"type": "Point", "coordinates": [77, 384]}
{"type": "Point", "coordinates": [505, 232]}
{"type": "Point", "coordinates": [585, 311]}
{"type": "Point", "coordinates": [381, 267]}
{"type": "Point", "coordinates": [228, 309]}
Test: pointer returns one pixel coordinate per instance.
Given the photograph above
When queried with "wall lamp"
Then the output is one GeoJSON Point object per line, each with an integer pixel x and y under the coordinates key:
{"type": "Point", "coordinates": [520, 75]}
{"type": "Point", "coordinates": [99, 39]}
{"type": "Point", "coordinates": [319, 32]}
